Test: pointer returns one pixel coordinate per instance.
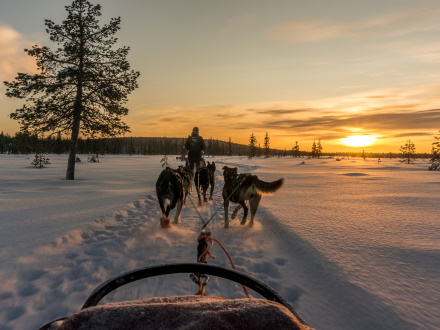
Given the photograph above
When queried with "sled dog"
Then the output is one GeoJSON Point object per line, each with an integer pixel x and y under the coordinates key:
{"type": "Point", "coordinates": [187, 179]}
{"type": "Point", "coordinates": [172, 185]}
{"type": "Point", "coordinates": [240, 188]}
{"type": "Point", "coordinates": [204, 178]}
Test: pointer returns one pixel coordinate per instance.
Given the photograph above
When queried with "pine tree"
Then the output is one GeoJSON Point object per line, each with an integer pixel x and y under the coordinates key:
{"type": "Point", "coordinates": [81, 86]}
{"type": "Point", "coordinates": [252, 146]}
{"type": "Point", "coordinates": [266, 146]}
{"type": "Point", "coordinates": [314, 150]}
{"type": "Point", "coordinates": [230, 147]}
{"type": "Point", "coordinates": [436, 149]}
{"type": "Point", "coordinates": [408, 152]}
{"type": "Point", "coordinates": [295, 150]}
{"type": "Point", "coordinates": [319, 149]}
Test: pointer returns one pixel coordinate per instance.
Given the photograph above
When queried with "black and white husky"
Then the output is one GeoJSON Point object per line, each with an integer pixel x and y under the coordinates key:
{"type": "Point", "coordinates": [240, 188]}
{"type": "Point", "coordinates": [172, 185]}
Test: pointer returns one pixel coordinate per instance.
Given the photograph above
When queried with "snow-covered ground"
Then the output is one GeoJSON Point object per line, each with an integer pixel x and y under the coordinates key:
{"type": "Point", "coordinates": [352, 244]}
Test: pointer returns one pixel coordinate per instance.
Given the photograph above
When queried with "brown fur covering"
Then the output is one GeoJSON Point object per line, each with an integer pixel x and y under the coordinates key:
{"type": "Point", "coordinates": [185, 313]}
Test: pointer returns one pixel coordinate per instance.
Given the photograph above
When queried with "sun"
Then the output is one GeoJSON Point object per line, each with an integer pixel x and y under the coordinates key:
{"type": "Point", "coordinates": [358, 140]}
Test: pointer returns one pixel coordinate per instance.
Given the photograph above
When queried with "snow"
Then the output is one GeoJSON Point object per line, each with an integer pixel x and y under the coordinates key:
{"type": "Point", "coordinates": [352, 244]}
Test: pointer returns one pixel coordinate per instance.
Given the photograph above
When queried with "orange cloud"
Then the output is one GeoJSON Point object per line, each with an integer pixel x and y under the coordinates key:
{"type": "Point", "coordinates": [13, 59]}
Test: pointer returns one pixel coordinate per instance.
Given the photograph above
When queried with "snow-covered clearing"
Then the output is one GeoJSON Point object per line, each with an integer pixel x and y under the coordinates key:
{"type": "Point", "coordinates": [352, 244]}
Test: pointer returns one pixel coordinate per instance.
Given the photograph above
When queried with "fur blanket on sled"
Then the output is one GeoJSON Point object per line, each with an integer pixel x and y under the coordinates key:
{"type": "Point", "coordinates": [185, 312]}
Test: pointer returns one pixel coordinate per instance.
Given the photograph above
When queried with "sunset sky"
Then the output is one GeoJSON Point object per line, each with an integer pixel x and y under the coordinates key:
{"type": "Point", "coordinates": [299, 70]}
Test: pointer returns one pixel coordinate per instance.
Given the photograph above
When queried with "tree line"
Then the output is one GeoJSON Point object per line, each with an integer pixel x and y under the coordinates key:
{"type": "Point", "coordinates": [26, 143]}
{"type": "Point", "coordinates": [407, 152]}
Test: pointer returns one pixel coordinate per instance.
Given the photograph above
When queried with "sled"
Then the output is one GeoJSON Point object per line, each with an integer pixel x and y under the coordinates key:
{"type": "Point", "coordinates": [184, 312]}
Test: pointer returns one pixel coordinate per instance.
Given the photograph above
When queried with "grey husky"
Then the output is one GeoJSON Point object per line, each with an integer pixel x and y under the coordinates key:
{"type": "Point", "coordinates": [240, 188]}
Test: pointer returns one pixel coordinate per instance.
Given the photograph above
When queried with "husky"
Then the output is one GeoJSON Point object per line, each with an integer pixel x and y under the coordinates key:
{"type": "Point", "coordinates": [204, 178]}
{"type": "Point", "coordinates": [187, 179]}
{"type": "Point", "coordinates": [171, 185]}
{"type": "Point", "coordinates": [240, 188]}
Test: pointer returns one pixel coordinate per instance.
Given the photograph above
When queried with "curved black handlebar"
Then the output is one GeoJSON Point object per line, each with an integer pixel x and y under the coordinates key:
{"type": "Point", "coordinates": [239, 277]}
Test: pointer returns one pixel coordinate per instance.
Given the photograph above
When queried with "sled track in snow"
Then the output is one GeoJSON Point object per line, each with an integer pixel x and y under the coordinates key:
{"type": "Point", "coordinates": [59, 276]}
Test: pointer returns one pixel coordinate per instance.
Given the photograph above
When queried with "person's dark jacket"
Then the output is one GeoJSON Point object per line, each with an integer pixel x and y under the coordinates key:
{"type": "Point", "coordinates": [195, 145]}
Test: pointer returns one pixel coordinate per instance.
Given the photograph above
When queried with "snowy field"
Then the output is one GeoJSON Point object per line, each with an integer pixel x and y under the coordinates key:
{"type": "Point", "coordinates": [352, 244]}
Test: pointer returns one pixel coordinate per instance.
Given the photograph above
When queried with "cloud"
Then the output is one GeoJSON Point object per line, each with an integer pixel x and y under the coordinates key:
{"type": "Point", "coordinates": [170, 119]}
{"type": "Point", "coordinates": [393, 114]}
{"type": "Point", "coordinates": [388, 25]}
{"type": "Point", "coordinates": [412, 134]}
{"type": "Point", "coordinates": [377, 122]}
{"type": "Point", "coordinates": [280, 111]}
{"type": "Point", "coordinates": [230, 115]}
{"type": "Point", "coordinates": [382, 96]}
{"type": "Point", "coordinates": [306, 30]}
{"type": "Point", "coordinates": [13, 59]}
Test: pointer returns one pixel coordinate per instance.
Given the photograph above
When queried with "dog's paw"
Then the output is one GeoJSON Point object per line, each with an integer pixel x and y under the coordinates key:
{"type": "Point", "coordinates": [242, 222]}
{"type": "Point", "coordinates": [210, 198]}
{"type": "Point", "coordinates": [165, 222]}
{"type": "Point", "coordinates": [177, 221]}
{"type": "Point", "coordinates": [226, 225]}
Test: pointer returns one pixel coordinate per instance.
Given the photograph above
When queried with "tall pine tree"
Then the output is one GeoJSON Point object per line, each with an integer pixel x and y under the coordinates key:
{"type": "Point", "coordinates": [267, 146]}
{"type": "Point", "coordinates": [252, 146]}
{"type": "Point", "coordinates": [319, 149]}
{"type": "Point", "coordinates": [81, 86]}
{"type": "Point", "coordinates": [295, 150]}
{"type": "Point", "coordinates": [436, 149]}
{"type": "Point", "coordinates": [314, 150]}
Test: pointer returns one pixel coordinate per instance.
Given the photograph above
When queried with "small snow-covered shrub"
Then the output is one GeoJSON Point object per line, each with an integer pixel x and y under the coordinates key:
{"type": "Point", "coordinates": [40, 160]}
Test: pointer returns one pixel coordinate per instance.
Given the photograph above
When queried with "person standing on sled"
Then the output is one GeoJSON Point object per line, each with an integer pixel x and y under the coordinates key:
{"type": "Point", "coordinates": [195, 146]}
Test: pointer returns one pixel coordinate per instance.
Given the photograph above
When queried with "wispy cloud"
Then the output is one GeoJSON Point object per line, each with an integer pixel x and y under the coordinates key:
{"type": "Point", "coordinates": [13, 59]}
{"type": "Point", "coordinates": [383, 122]}
{"type": "Point", "coordinates": [306, 30]}
{"type": "Point", "coordinates": [409, 112]}
{"type": "Point", "coordinates": [280, 111]}
{"type": "Point", "coordinates": [392, 24]}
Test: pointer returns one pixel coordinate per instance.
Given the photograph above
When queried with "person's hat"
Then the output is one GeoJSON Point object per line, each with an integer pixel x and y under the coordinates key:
{"type": "Point", "coordinates": [196, 129]}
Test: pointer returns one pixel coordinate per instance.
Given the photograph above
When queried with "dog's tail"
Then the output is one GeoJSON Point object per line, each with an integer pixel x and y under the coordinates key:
{"type": "Point", "coordinates": [267, 188]}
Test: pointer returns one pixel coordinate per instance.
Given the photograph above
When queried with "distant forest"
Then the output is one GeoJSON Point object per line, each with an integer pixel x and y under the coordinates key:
{"type": "Point", "coordinates": [22, 143]}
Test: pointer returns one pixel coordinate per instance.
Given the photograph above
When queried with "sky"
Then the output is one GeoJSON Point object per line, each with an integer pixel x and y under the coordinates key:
{"type": "Point", "coordinates": [298, 70]}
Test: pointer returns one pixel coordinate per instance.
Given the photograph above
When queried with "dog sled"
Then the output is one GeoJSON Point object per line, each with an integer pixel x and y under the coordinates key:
{"type": "Point", "coordinates": [197, 311]}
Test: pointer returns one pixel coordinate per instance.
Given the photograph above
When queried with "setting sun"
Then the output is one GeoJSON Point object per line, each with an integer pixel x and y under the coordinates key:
{"type": "Point", "coordinates": [358, 140]}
